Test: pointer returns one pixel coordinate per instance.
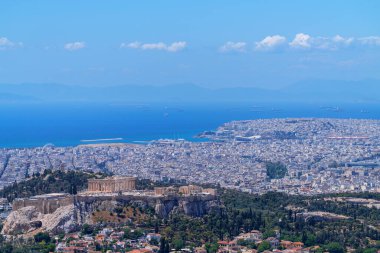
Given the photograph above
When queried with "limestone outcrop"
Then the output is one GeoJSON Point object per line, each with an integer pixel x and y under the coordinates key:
{"type": "Point", "coordinates": [68, 218]}
{"type": "Point", "coordinates": [29, 219]}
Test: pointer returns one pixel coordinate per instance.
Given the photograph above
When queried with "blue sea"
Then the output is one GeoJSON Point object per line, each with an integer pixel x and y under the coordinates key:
{"type": "Point", "coordinates": [62, 125]}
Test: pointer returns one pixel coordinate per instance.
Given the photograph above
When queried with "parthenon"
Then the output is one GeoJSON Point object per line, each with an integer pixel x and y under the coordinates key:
{"type": "Point", "coordinates": [112, 184]}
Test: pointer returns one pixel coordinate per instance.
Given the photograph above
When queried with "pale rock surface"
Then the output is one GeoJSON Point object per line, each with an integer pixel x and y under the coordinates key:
{"type": "Point", "coordinates": [28, 219]}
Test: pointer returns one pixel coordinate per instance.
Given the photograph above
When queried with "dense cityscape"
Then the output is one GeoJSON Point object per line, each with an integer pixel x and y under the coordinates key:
{"type": "Point", "coordinates": [190, 126]}
{"type": "Point", "coordinates": [320, 155]}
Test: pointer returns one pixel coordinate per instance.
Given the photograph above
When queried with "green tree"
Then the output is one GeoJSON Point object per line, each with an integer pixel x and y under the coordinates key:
{"type": "Point", "coordinates": [87, 229]}
{"type": "Point", "coordinates": [264, 245]}
{"type": "Point", "coordinates": [42, 237]}
{"type": "Point", "coordinates": [276, 170]}
{"type": "Point", "coordinates": [334, 247]}
{"type": "Point", "coordinates": [310, 241]}
{"type": "Point", "coordinates": [211, 247]}
{"type": "Point", "coordinates": [118, 210]}
{"type": "Point", "coordinates": [7, 248]}
{"type": "Point", "coordinates": [162, 245]}
{"type": "Point", "coordinates": [370, 250]}
{"type": "Point", "coordinates": [167, 247]}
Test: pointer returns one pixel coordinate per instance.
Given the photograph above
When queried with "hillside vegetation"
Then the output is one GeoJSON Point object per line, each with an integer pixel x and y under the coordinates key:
{"type": "Point", "coordinates": [240, 212]}
{"type": "Point", "coordinates": [48, 182]}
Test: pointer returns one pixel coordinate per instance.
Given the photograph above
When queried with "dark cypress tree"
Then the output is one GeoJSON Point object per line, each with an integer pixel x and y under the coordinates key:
{"type": "Point", "coordinates": [156, 228]}
{"type": "Point", "coordinates": [162, 245]}
{"type": "Point", "coordinates": [74, 189]}
{"type": "Point", "coordinates": [167, 247]}
{"type": "Point", "coordinates": [304, 237]}
{"type": "Point", "coordinates": [290, 214]}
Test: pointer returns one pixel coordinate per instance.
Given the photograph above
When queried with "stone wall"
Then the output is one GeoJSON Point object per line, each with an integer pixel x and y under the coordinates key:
{"type": "Point", "coordinates": [190, 189]}
{"type": "Point", "coordinates": [184, 190]}
{"type": "Point", "coordinates": [158, 191]}
{"type": "Point", "coordinates": [45, 204]}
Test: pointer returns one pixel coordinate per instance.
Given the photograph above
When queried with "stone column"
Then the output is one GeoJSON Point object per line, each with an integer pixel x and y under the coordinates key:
{"type": "Point", "coordinates": [133, 184]}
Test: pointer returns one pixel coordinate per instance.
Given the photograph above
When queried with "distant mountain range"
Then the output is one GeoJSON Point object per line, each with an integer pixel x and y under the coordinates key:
{"type": "Point", "coordinates": [329, 91]}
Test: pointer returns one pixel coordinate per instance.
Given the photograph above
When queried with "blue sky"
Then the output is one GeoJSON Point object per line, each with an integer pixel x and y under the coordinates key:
{"type": "Point", "coordinates": [209, 43]}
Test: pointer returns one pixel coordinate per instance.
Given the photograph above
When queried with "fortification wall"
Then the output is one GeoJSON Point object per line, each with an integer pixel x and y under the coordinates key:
{"type": "Point", "coordinates": [44, 205]}
{"type": "Point", "coordinates": [194, 205]}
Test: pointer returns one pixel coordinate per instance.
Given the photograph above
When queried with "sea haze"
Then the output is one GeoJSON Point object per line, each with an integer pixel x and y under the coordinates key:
{"type": "Point", "coordinates": [62, 125]}
{"type": "Point", "coordinates": [316, 91]}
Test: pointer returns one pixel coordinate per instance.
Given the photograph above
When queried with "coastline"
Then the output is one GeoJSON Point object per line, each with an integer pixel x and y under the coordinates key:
{"type": "Point", "coordinates": [70, 127]}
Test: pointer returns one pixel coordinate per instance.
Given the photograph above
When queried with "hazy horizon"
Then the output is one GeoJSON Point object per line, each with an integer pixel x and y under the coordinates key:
{"type": "Point", "coordinates": [216, 44]}
{"type": "Point", "coordinates": [307, 91]}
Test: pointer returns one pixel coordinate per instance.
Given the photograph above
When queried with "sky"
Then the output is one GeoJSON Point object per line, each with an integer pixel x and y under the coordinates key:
{"type": "Point", "coordinates": [261, 43]}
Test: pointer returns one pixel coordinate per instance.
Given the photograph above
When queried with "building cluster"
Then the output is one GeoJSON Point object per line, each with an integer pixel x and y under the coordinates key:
{"type": "Point", "coordinates": [321, 155]}
{"type": "Point", "coordinates": [113, 239]}
{"type": "Point", "coordinates": [243, 244]}
{"type": "Point", "coordinates": [116, 240]}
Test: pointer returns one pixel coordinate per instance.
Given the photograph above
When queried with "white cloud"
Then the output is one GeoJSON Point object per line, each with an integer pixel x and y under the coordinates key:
{"type": "Point", "coordinates": [370, 40]}
{"type": "Point", "coordinates": [270, 42]}
{"type": "Point", "coordinates": [5, 43]}
{"type": "Point", "coordinates": [177, 46]}
{"type": "Point", "coordinates": [305, 41]}
{"type": "Point", "coordinates": [333, 43]}
{"type": "Point", "coordinates": [301, 40]}
{"type": "Point", "coordinates": [154, 46]}
{"type": "Point", "coordinates": [233, 46]}
{"type": "Point", "coordinates": [135, 44]}
{"type": "Point", "coordinates": [341, 40]}
{"type": "Point", "coordinates": [173, 47]}
{"type": "Point", "coordinates": [72, 46]}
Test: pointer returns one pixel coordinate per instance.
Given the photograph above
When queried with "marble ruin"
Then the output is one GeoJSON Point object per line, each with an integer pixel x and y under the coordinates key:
{"type": "Point", "coordinates": [108, 187]}
{"type": "Point", "coordinates": [185, 190]}
{"type": "Point", "coordinates": [112, 184]}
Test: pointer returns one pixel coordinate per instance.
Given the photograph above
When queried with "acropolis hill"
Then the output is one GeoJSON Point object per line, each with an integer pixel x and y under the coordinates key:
{"type": "Point", "coordinates": [60, 212]}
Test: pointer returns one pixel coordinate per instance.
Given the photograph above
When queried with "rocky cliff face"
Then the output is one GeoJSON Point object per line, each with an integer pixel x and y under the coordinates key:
{"type": "Point", "coordinates": [69, 218]}
{"type": "Point", "coordinates": [28, 221]}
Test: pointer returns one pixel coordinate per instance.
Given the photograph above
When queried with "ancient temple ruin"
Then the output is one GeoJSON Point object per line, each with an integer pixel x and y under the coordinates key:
{"type": "Point", "coordinates": [112, 184]}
